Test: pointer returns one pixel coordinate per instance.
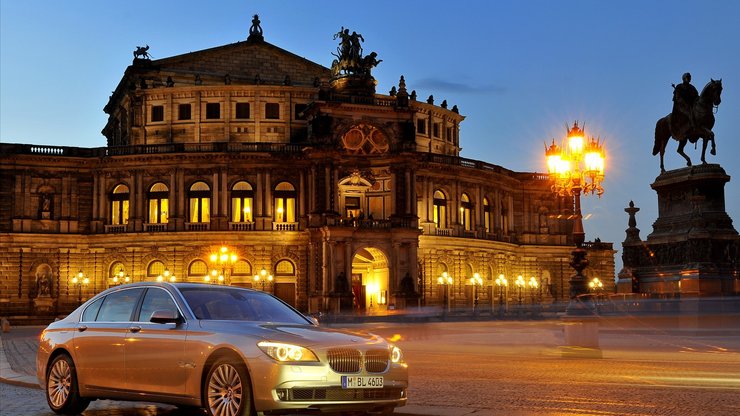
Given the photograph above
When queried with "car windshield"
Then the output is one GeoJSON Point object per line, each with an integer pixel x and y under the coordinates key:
{"type": "Point", "coordinates": [214, 303]}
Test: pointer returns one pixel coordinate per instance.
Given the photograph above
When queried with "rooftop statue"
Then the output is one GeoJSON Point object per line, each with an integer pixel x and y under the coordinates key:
{"type": "Point", "coordinates": [691, 119]}
{"type": "Point", "coordinates": [349, 55]}
{"type": "Point", "coordinates": [141, 52]}
{"type": "Point", "coordinates": [255, 31]}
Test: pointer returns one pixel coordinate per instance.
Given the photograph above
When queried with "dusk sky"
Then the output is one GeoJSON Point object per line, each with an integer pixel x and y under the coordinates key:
{"type": "Point", "coordinates": [520, 71]}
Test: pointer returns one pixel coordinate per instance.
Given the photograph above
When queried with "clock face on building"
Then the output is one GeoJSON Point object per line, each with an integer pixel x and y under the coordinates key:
{"type": "Point", "coordinates": [364, 140]}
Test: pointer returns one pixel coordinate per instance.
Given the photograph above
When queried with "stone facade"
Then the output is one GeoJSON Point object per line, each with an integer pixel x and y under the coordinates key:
{"type": "Point", "coordinates": [310, 176]}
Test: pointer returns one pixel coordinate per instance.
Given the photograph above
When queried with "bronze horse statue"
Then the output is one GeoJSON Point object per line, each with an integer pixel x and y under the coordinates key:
{"type": "Point", "coordinates": [678, 126]}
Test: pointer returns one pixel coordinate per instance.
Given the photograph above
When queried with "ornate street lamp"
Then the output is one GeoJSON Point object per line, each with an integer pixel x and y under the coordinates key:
{"type": "Point", "coordinates": [520, 283]}
{"type": "Point", "coordinates": [576, 167]}
{"type": "Point", "coordinates": [263, 278]}
{"type": "Point", "coordinates": [222, 266]}
{"type": "Point", "coordinates": [502, 284]}
{"type": "Point", "coordinates": [445, 280]}
{"type": "Point", "coordinates": [533, 288]}
{"type": "Point", "coordinates": [79, 280]}
{"type": "Point", "coordinates": [476, 281]}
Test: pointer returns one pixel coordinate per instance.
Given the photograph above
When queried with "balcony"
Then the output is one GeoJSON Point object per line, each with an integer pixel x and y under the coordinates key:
{"type": "Point", "coordinates": [115, 228]}
{"type": "Point", "coordinates": [155, 227]}
{"type": "Point", "coordinates": [241, 226]}
{"type": "Point", "coordinates": [197, 226]}
{"type": "Point", "coordinates": [285, 226]}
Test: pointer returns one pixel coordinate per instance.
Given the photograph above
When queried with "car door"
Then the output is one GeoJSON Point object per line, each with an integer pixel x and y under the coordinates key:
{"type": "Point", "coordinates": [155, 351]}
{"type": "Point", "coordinates": [99, 341]}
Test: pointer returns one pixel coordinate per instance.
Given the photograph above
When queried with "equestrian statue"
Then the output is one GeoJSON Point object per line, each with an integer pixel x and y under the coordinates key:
{"type": "Point", "coordinates": [692, 118]}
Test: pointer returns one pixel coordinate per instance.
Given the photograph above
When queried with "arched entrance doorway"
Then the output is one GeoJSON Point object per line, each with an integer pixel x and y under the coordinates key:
{"type": "Point", "coordinates": [370, 277]}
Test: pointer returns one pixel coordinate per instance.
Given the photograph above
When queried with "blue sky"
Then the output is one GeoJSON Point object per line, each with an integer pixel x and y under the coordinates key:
{"type": "Point", "coordinates": [520, 71]}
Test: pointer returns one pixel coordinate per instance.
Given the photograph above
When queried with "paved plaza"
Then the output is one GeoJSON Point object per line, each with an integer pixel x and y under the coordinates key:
{"type": "Point", "coordinates": [500, 368]}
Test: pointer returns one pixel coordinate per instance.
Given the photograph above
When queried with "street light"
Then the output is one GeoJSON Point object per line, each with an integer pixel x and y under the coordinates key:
{"type": "Point", "coordinates": [79, 280]}
{"type": "Point", "coordinates": [222, 265]}
{"type": "Point", "coordinates": [476, 281]}
{"type": "Point", "coordinates": [445, 280]}
{"type": "Point", "coordinates": [166, 276]}
{"type": "Point", "coordinates": [263, 278]}
{"type": "Point", "coordinates": [533, 286]}
{"type": "Point", "coordinates": [520, 283]}
{"type": "Point", "coordinates": [576, 167]}
{"type": "Point", "coordinates": [120, 276]}
{"type": "Point", "coordinates": [502, 284]}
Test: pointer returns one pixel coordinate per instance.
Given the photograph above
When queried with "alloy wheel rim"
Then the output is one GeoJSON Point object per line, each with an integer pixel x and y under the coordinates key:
{"type": "Point", "coordinates": [60, 383]}
{"type": "Point", "coordinates": [225, 391]}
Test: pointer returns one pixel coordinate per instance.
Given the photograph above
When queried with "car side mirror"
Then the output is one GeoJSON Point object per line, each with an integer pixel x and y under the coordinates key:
{"type": "Point", "coordinates": [165, 317]}
{"type": "Point", "coordinates": [314, 320]}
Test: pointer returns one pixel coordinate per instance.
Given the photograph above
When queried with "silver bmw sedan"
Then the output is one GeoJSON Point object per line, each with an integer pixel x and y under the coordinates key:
{"type": "Point", "coordinates": [229, 350]}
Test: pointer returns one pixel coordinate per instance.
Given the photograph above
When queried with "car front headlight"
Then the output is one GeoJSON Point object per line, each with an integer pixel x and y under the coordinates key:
{"type": "Point", "coordinates": [281, 352]}
{"type": "Point", "coordinates": [396, 354]}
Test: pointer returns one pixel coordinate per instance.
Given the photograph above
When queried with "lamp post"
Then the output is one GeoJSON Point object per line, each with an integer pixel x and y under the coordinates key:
{"type": "Point", "coordinates": [79, 280]}
{"type": "Point", "coordinates": [596, 286]}
{"type": "Point", "coordinates": [222, 265]}
{"type": "Point", "coordinates": [533, 287]}
{"type": "Point", "coordinates": [446, 281]}
{"type": "Point", "coordinates": [502, 284]}
{"type": "Point", "coordinates": [520, 283]}
{"type": "Point", "coordinates": [263, 278]}
{"type": "Point", "coordinates": [120, 277]}
{"type": "Point", "coordinates": [476, 281]}
{"type": "Point", "coordinates": [576, 167]}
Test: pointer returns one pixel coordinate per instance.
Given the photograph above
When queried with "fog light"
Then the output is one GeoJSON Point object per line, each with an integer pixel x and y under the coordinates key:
{"type": "Point", "coordinates": [282, 394]}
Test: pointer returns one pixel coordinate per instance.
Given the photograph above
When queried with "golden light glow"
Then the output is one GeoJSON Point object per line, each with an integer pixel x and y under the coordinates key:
{"type": "Point", "coordinates": [234, 258]}
{"type": "Point", "coordinates": [166, 272]}
{"type": "Point", "coordinates": [476, 280]}
{"type": "Point", "coordinates": [519, 282]}
{"type": "Point", "coordinates": [533, 283]}
{"type": "Point", "coordinates": [214, 257]}
{"type": "Point", "coordinates": [115, 279]}
{"type": "Point", "coordinates": [172, 278]}
{"type": "Point", "coordinates": [445, 279]}
{"type": "Point", "coordinates": [75, 280]}
{"type": "Point", "coordinates": [578, 165]}
{"type": "Point", "coordinates": [501, 281]}
{"type": "Point", "coordinates": [160, 278]}
{"type": "Point", "coordinates": [126, 279]}
{"type": "Point", "coordinates": [206, 278]}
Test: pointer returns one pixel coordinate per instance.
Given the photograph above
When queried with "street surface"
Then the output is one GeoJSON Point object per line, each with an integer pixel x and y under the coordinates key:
{"type": "Point", "coordinates": [516, 368]}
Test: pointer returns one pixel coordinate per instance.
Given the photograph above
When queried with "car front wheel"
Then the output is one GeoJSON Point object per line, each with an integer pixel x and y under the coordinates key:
{"type": "Point", "coordinates": [62, 392]}
{"type": "Point", "coordinates": [227, 389]}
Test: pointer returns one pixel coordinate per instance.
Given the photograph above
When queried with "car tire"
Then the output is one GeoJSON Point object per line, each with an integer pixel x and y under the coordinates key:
{"type": "Point", "coordinates": [62, 390]}
{"type": "Point", "coordinates": [227, 390]}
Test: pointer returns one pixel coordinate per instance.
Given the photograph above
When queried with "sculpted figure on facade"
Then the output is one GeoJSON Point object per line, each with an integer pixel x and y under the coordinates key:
{"type": "Point", "coordinates": [349, 55]}
{"type": "Point", "coordinates": [43, 281]}
{"type": "Point", "coordinates": [142, 52]}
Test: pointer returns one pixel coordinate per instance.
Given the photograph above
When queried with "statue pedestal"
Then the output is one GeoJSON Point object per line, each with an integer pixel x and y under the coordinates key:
{"type": "Point", "coordinates": [693, 248]}
{"type": "Point", "coordinates": [43, 305]}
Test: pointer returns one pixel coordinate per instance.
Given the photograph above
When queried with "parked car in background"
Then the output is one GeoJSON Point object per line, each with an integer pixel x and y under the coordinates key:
{"type": "Point", "coordinates": [229, 350]}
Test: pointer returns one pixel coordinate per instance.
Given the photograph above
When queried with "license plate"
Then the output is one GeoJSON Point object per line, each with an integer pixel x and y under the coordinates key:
{"type": "Point", "coordinates": [362, 382]}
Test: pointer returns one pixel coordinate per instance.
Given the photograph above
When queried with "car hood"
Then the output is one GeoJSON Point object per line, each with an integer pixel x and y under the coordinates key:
{"type": "Point", "coordinates": [305, 335]}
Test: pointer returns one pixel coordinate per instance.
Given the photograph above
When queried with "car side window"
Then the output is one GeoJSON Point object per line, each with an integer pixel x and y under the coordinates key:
{"type": "Point", "coordinates": [91, 312]}
{"type": "Point", "coordinates": [155, 300]}
{"type": "Point", "coordinates": [119, 306]}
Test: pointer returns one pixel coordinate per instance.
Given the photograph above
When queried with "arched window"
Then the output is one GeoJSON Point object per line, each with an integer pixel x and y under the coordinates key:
{"type": "Point", "coordinates": [154, 269]}
{"type": "Point", "coordinates": [199, 198]}
{"type": "Point", "coordinates": [242, 268]}
{"type": "Point", "coordinates": [440, 209]}
{"type": "Point", "coordinates": [158, 203]}
{"type": "Point", "coordinates": [466, 208]}
{"type": "Point", "coordinates": [117, 274]}
{"type": "Point", "coordinates": [285, 196]}
{"type": "Point", "coordinates": [487, 215]}
{"type": "Point", "coordinates": [242, 202]}
{"type": "Point", "coordinates": [504, 217]}
{"type": "Point", "coordinates": [119, 203]}
{"type": "Point", "coordinates": [197, 270]}
{"type": "Point", "coordinates": [284, 268]}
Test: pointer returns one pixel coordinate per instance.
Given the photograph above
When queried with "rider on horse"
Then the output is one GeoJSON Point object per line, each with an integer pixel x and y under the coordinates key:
{"type": "Point", "coordinates": [684, 97]}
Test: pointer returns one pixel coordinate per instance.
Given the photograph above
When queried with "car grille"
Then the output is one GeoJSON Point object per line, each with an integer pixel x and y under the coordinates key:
{"type": "Point", "coordinates": [340, 394]}
{"type": "Point", "coordinates": [347, 360]}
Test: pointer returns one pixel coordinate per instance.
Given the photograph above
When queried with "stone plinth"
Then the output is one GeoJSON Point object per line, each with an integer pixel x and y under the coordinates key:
{"type": "Point", "coordinates": [693, 249]}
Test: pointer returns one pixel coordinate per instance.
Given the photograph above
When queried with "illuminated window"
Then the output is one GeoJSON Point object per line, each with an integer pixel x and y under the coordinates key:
{"type": "Point", "coordinates": [197, 270]}
{"type": "Point", "coordinates": [435, 129]}
{"type": "Point", "coordinates": [119, 205]}
{"type": "Point", "coordinates": [154, 269]}
{"type": "Point", "coordinates": [466, 208]}
{"type": "Point", "coordinates": [440, 209]}
{"type": "Point", "coordinates": [242, 268]}
{"type": "Point", "coordinates": [352, 206]}
{"type": "Point", "coordinates": [284, 202]}
{"type": "Point", "coordinates": [284, 268]}
{"type": "Point", "coordinates": [487, 215]}
{"type": "Point", "coordinates": [158, 203]}
{"type": "Point", "coordinates": [199, 197]}
{"type": "Point", "coordinates": [242, 202]}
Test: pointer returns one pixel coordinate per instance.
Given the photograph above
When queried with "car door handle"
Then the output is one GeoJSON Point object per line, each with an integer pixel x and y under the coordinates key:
{"type": "Point", "coordinates": [135, 329]}
{"type": "Point", "coordinates": [82, 328]}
